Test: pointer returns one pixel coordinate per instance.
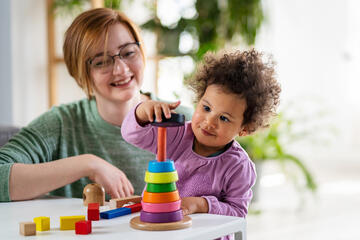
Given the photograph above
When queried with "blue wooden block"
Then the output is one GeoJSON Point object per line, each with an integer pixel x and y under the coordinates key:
{"type": "Point", "coordinates": [115, 213]}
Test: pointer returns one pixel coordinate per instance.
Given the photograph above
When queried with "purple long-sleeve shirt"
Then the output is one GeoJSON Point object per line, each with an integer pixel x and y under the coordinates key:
{"type": "Point", "coordinates": [225, 180]}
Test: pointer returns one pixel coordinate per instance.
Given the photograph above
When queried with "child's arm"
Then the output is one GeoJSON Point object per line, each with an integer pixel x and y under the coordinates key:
{"type": "Point", "coordinates": [236, 194]}
{"type": "Point", "coordinates": [190, 205]}
{"type": "Point", "coordinates": [136, 129]}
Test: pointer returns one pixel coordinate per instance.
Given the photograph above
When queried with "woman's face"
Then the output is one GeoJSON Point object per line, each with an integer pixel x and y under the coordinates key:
{"type": "Point", "coordinates": [120, 80]}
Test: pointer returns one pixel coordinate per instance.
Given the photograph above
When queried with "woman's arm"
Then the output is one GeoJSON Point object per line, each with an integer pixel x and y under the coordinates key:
{"type": "Point", "coordinates": [28, 181]}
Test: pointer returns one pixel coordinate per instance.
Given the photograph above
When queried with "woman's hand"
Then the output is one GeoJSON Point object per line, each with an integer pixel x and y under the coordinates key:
{"type": "Point", "coordinates": [145, 111]}
{"type": "Point", "coordinates": [111, 178]}
{"type": "Point", "coordinates": [190, 205]}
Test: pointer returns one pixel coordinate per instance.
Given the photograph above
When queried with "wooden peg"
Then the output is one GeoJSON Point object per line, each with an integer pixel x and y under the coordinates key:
{"type": "Point", "coordinates": [94, 193]}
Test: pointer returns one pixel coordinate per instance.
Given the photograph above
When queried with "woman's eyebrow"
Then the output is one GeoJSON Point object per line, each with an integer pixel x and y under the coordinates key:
{"type": "Point", "coordinates": [102, 53]}
{"type": "Point", "coordinates": [99, 54]}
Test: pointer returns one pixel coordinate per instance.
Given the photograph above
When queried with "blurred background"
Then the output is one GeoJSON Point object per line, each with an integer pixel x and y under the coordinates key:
{"type": "Point", "coordinates": [308, 161]}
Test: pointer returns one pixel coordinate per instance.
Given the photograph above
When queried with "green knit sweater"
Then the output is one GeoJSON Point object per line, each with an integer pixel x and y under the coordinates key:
{"type": "Point", "coordinates": [70, 130]}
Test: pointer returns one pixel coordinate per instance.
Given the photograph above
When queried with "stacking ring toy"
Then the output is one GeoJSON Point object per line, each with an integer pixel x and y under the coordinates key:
{"type": "Point", "coordinates": [161, 217]}
{"type": "Point", "coordinates": [162, 177]}
{"type": "Point", "coordinates": [166, 166]}
{"type": "Point", "coordinates": [174, 121]}
{"type": "Point", "coordinates": [161, 197]}
{"type": "Point", "coordinates": [160, 187]}
{"type": "Point", "coordinates": [161, 207]}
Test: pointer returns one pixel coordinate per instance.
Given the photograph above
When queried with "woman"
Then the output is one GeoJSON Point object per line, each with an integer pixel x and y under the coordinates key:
{"type": "Point", "coordinates": [72, 145]}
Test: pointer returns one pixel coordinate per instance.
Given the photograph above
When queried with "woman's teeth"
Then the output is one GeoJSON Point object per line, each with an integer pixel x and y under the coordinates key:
{"type": "Point", "coordinates": [121, 82]}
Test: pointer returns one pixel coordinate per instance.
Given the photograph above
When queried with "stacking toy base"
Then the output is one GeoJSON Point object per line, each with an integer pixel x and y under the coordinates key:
{"type": "Point", "coordinates": [140, 225]}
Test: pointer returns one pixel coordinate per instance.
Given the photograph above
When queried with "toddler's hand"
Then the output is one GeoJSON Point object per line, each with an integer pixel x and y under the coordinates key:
{"type": "Point", "coordinates": [190, 205]}
{"type": "Point", "coordinates": [111, 178]}
{"type": "Point", "coordinates": [145, 111]}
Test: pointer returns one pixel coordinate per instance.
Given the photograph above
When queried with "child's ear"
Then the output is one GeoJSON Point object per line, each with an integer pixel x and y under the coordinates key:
{"type": "Point", "coordinates": [243, 132]}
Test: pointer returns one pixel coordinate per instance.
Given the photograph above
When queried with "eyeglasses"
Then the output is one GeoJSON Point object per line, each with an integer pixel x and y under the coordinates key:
{"type": "Point", "coordinates": [128, 53]}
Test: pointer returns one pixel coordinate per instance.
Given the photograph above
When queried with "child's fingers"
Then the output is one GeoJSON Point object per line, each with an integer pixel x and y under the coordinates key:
{"type": "Point", "coordinates": [158, 112]}
{"type": "Point", "coordinates": [166, 110]}
{"type": "Point", "coordinates": [185, 211]}
{"type": "Point", "coordinates": [169, 108]}
{"type": "Point", "coordinates": [150, 114]}
{"type": "Point", "coordinates": [174, 104]}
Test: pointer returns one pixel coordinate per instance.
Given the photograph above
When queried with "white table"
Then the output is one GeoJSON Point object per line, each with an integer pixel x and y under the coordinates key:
{"type": "Point", "coordinates": [204, 226]}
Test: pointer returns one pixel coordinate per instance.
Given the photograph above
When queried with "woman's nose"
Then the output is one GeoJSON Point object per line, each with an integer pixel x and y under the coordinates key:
{"type": "Point", "coordinates": [120, 67]}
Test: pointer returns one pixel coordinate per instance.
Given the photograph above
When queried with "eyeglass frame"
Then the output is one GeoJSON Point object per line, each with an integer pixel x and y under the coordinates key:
{"type": "Point", "coordinates": [116, 55]}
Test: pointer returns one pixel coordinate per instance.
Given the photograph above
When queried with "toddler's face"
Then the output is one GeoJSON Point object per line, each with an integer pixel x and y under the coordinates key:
{"type": "Point", "coordinates": [217, 120]}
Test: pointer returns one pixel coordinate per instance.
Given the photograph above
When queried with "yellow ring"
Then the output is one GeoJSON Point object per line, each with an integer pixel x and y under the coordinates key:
{"type": "Point", "coordinates": [162, 177]}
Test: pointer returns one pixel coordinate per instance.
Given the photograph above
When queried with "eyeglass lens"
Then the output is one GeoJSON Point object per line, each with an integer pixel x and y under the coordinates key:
{"type": "Point", "coordinates": [128, 54]}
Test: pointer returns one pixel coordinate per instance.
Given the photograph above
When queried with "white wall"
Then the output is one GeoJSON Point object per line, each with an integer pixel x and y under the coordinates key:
{"type": "Point", "coordinates": [313, 44]}
{"type": "Point", "coordinates": [29, 47]}
{"type": "Point", "coordinates": [6, 111]}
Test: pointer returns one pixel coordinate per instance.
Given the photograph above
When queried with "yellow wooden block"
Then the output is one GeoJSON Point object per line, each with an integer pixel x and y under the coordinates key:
{"type": "Point", "coordinates": [68, 222]}
{"type": "Point", "coordinates": [42, 223]}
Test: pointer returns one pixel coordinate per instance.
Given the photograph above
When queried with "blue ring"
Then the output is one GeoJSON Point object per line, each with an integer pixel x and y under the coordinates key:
{"type": "Point", "coordinates": [166, 166]}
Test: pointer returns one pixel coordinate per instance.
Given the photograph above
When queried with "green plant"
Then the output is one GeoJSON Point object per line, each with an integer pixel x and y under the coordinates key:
{"type": "Point", "coordinates": [216, 23]}
{"type": "Point", "coordinates": [75, 6]}
{"type": "Point", "coordinates": [270, 145]}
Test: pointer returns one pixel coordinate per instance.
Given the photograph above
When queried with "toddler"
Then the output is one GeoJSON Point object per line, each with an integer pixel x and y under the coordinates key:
{"type": "Point", "coordinates": [236, 94]}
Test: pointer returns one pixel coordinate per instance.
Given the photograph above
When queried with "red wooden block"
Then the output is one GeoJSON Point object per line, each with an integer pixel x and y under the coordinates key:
{"type": "Point", "coordinates": [93, 205]}
{"type": "Point", "coordinates": [93, 211]}
{"type": "Point", "coordinates": [134, 207]}
{"type": "Point", "coordinates": [83, 227]}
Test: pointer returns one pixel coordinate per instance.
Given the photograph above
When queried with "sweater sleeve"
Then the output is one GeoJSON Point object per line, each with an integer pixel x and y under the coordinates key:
{"type": "Point", "coordinates": [237, 192]}
{"type": "Point", "coordinates": [31, 145]}
{"type": "Point", "coordinates": [144, 137]}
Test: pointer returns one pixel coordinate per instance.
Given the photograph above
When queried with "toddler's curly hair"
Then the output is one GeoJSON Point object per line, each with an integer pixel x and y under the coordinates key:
{"type": "Point", "coordinates": [246, 74]}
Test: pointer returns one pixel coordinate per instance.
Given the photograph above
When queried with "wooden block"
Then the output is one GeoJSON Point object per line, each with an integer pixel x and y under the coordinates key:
{"type": "Point", "coordinates": [119, 202]}
{"type": "Point", "coordinates": [115, 213]}
{"type": "Point", "coordinates": [93, 206]}
{"type": "Point", "coordinates": [42, 223]}
{"type": "Point", "coordinates": [94, 193]}
{"type": "Point", "coordinates": [93, 212]}
{"type": "Point", "coordinates": [28, 228]}
{"type": "Point", "coordinates": [68, 222]}
{"type": "Point", "coordinates": [135, 207]}
{"type": "Point", "coordinates": [83, 227]}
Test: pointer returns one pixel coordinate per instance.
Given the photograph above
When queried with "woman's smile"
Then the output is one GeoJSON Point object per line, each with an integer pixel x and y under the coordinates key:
{"type": "Point", "coordinates": [122, 83]}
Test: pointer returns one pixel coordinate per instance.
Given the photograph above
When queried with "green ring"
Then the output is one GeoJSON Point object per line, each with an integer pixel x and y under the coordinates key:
{"type": "Point", "coordinates": [158, 188]}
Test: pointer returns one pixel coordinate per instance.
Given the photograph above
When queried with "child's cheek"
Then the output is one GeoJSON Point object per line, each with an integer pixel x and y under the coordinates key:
{"type": "Point", "coordinates": [196, 118]}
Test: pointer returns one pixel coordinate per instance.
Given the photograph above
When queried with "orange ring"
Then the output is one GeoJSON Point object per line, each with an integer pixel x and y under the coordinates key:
{"type": "Point", "coordinates": [163, 197]}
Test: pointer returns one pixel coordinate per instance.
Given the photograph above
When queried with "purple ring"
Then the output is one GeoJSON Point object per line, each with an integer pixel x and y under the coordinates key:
{"type": "Point", "coordinates": [163, 217]}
